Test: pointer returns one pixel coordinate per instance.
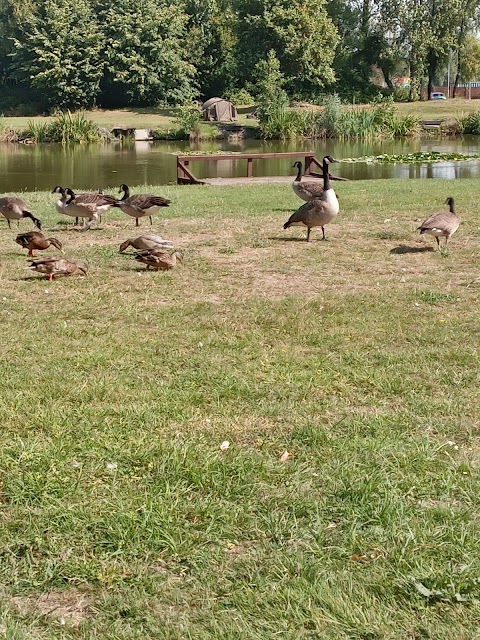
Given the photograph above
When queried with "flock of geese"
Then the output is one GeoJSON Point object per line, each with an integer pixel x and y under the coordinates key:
{"type": "Point", "coordinates": [320, 208]}
{"type": "Point", "coordinates": [152, 250]}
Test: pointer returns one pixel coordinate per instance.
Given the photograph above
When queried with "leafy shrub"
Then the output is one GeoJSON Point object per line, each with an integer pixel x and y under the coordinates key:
{"type": "Point", "coordinates": [401, 94]}
{"type": "Point", "coordinates": [470, 123]}
{"type": "Point", "coordinates": [278, 122]}
{"type": "Point", "coordinates": [240, 97]}
{"type": "Point", "coordinates": [188, 120]}
{"type": "Point", "coordinates": [379, 119]}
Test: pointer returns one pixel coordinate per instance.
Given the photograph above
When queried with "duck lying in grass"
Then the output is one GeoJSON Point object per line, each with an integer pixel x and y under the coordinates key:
{"type": "Point", "coordinates": [36, 240]}
{"type": "Point", "coordinates": [53, 267]}
{"type": "Point", "coordinates": [159, 259]}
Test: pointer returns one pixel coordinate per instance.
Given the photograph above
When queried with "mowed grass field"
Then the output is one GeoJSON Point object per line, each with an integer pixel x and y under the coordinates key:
{"type": "Point", "coordinates": [122, 518]}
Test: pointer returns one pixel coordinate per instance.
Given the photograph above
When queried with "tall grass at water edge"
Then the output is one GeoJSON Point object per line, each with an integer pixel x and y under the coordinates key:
{"type": "Point", "coordinates": [380, 119]}
{"type": "Point", "coordinates": [64, 128]}
{"type": "Point", "coordinates": [470, 123]}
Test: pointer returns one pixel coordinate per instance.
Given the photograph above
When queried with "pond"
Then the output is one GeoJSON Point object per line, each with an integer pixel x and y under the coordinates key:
{"type": "Point", "coordinates": [41, 167]}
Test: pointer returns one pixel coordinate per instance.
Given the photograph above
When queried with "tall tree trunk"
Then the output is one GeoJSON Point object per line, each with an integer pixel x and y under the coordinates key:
{"type": "Point", "coordinates": [365, 26]}
{"type": "Point", "coordinates": [414, 93]}
{"type": "Point", "coordinates": [432, 64]}
{"type": "Point", "coordinates": [461, 36]}
{"type": "Point", "coordinates": [386, 74]}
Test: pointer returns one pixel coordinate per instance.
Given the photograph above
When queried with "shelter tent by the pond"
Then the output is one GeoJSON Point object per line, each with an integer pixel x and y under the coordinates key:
{"type": "Point", "coordinates": [219, 110]}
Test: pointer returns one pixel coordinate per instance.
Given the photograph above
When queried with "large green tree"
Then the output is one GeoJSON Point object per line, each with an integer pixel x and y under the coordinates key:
{"type": "Point", "coordinates": [57, 51]}
{"type": "Point", "coordinates": [300, 32]}
{"type": "Point", "coordinates": [211, 44]}
{"type": "Point", "coordinates": [145, 58]}
{"type": "Point", "coordinates": [425, 31]}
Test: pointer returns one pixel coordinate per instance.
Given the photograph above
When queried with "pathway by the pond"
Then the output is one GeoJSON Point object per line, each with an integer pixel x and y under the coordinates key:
{"type": "Point", "coordinates": [41, 167]}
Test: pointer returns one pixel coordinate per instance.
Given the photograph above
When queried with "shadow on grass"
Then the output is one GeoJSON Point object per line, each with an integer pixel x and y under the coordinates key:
{"type": "Point", "coordinates": [292, 239]}
{"type": "Point", "coordinates": [405, 248]}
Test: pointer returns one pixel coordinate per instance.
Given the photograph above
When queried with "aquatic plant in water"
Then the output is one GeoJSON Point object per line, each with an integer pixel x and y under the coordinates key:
{"type": "Point", "coordinates": [417, 156]}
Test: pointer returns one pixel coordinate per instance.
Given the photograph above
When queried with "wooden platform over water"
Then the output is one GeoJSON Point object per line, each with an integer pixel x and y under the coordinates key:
{"type": "Point", "coordinates": [185, 174]}
{"type": "Point", "coordinates": [259, 180]}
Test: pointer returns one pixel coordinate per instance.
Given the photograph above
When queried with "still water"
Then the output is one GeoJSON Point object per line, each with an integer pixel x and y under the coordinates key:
{"type": "Point", "coordinates": [41, 167]}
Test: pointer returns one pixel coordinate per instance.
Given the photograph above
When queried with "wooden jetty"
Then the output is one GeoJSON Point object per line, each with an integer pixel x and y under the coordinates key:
{"type": "Point", "coordinates": [185, 174]}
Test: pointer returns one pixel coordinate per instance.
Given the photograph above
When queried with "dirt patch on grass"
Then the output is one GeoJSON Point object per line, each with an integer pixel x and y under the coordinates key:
{"type": "Point", "coordinates": [68, 607]}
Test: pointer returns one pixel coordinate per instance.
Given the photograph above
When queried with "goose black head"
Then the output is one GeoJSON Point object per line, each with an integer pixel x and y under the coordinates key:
{"type": "Point", "coordinates": [329, 160]}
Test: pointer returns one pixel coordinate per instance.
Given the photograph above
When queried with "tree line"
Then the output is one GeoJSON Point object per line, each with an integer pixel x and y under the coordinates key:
{"type": "Point", "coordinates": [64, 54]}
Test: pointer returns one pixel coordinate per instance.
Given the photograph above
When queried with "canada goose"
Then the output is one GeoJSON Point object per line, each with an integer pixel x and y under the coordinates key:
{"type": "Point", "coordinates": [140, 205]}
{"type": "Point", "coordinates": [443, 223]}
{"type": "Point", "coordinates": [36, 240]}
{"type": "Point", "coordinates": [159, 259]}
{"type": "Point", "coordinates": [88, 205]}
{"type": "Point", "coordinates": [13, 208]}
{"type": "Point", "coordinates": [52, 267]}
{"type": "Point", "coordinates": [305, 190]}
{"type": "Point", "coordinates": [146, 243]}
{"type": "Point", "coordinates": [318, 211]}
{"type": "Point", "coordinates": [60, 204]}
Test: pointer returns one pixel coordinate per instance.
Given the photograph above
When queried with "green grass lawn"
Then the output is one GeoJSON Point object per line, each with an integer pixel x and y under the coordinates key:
{"type": "Point", "coordinates": [148, 118]}
{"type": "Point", "coordinates": [439, 109]}
{"type": "Point", "coordinates": [123, 519]}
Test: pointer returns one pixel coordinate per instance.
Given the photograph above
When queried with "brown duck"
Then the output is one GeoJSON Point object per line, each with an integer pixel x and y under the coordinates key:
{"type": "Point", "coordinates": [149, 242]}
{"type": "Point", "coordinates": [159, 259]}
{"type": "Point", "coordinates": [52, 267]}
{"type": "Point", "coordinates": [36, 240]}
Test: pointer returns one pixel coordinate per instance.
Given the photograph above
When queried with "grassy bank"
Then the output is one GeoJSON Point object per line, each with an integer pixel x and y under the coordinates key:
{"type": "Point", "coordinates": [164, 119]}
{"type": "Point", "coordinates": [121, 516]}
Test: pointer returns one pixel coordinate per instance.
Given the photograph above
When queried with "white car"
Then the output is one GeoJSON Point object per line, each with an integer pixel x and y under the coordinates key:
{"type": "Point", "coordinates": [438, 95]}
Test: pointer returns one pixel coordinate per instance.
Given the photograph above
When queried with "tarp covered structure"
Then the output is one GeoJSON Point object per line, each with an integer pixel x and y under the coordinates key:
{"type": "Point", "coordinates": [219, 110]}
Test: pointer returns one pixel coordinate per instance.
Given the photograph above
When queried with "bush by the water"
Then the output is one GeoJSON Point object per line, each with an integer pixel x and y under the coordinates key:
{"type": "Point", "coordinates": [379, 119]}
{"type": "Point", "coordinates": [65, 128]}
{"type": "Point", "coordinates": [470, 123]}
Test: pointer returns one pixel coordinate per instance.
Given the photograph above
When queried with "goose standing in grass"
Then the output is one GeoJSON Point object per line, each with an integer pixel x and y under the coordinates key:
{"type": "Point", "coordinates": [52, 267]}
{"type": "Point", "coordinates": [320, 210]}
{"type": "Point", "coordinates": [140, 205]}
{"type": "Point", "coordinates": [36, 240]}
{"type": "Point", "coordinates": [305, 190]}
{"type": "Point", "coordinates": [159, 259]}
{"type": "Point", "coordinates": [60, 205]}
{"type": "Point", "coordinates": [88, 205]}
{"type": "Point", "coordinates": [146, 243]}
{"type": "Point", "coordinates": [443, 223]}
{"type": "Point", "coordinates": [13, 208]}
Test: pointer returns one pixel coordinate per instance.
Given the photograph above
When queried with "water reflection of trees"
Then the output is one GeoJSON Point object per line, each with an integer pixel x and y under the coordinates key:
{"type": "Point", "coordinates": [30, 167]}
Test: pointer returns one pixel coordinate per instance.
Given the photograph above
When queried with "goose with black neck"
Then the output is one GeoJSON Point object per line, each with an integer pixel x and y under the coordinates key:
{"type": "Point", "coordinates": [319, 211]}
